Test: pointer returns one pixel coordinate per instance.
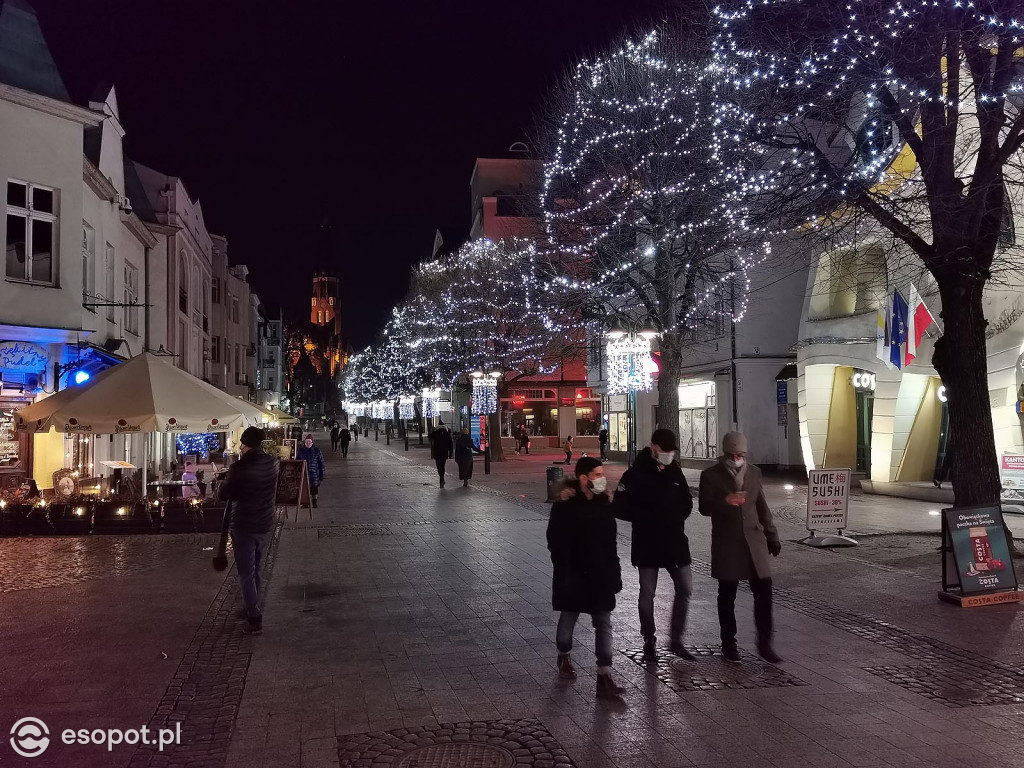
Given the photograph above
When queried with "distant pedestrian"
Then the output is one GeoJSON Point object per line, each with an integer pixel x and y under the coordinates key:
{"type": "Point", "coordinates": [442, 448]}
{"type": "Point", "coordinates": [587, 575]}
{"type": "Point", "coordinates": [464, 457]}
{"type": "Point", "coordinates": [315, 468]}
{"type": "Point", "coordinates": [335, 437]}
{"type": "Point", "coordinates": [250, 488]}
{"type": "Point", "coordinates": [654, 497]}
{"type": "Point", "coordinates": [344, 438]}
{"type": "Point", "coordinates": [742, 537]}
{"type": "Point", "coordinates": [946, 468]}
{"type": "Point", "coordinates": [355, 431]}
{"type": "Point", "coordinates": [189, 476]}
{"type": "Point", "coordinates": [524, 440]}
{"type": "Point", "coordinates": [602, 440]}
{"type": "Point", "coordinates": [567, 447]}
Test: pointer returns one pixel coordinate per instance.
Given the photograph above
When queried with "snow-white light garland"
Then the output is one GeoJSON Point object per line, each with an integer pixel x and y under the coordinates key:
{"type": "Point", "coordinates": [383, 410]}
{"type": "Point", "coordinates": [630, 365]}
{"type": "Point", "coordinates": [485, 395]}
{"type": "Point", "coordinates": [407, 408]}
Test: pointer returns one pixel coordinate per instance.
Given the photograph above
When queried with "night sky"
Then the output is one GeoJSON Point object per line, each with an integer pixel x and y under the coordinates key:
{"type": "Point", "coordinates": [278, 115]}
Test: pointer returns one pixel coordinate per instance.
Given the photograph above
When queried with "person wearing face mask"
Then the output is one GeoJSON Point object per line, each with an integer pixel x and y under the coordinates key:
{"type": "Point", "coordinates": [587, 576]}
{"type": "Point", "coordinates": [653, 495]}
{"type": "Point", "coordinates": [743, 536]}
{"type": "Point", "coordinates": [314, 459]}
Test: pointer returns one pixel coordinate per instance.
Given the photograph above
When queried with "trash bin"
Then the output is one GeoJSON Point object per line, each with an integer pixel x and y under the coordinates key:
{"type": "Point", "coordinates": [554, 478]}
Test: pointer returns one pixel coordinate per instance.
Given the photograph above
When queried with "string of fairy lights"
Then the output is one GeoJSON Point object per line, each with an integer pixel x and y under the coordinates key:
{"type": "Point", "coordinates": [477, 308]}
{"type": "Point", "coordinates": [769, 96]}
{"type": "Point", "coordinates": [640, 189]}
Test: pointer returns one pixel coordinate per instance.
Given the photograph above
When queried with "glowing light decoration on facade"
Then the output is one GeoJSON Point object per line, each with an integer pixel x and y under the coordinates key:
{"type": "Point", "coordinates": [630, 366]}
{"type": "Point", "coordinates": [198, 443]}
{"type": "Point", "coordinates": [383, 410]}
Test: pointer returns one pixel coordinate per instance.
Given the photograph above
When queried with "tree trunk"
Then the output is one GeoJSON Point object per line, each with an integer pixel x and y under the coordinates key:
{"type": "Point", "coordinates": [961, 361]}
{"type": "Point", "coordinates": [670, 363]}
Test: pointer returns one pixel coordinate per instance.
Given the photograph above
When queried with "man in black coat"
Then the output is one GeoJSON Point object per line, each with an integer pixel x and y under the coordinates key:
{"type": "Point", "coordinates": [581, 539]}
{"type": "Point", "coordinates": [602, 441]}
{"type": "Point", "coordinates": [442, 448]}
{"type": "Point", "coordinates": [654, 497]}
{"type": "Point", "coordinates": [251, 489]}
{"type": "Point", "coordinates": [345, 438]}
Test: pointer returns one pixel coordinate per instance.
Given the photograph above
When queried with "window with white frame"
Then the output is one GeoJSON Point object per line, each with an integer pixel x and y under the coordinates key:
{"type": "Point", "coordinates": [131, 298]}
{"type": "Point", "coordinates": [31, 233]}
{"type": "Point", "coordinates": [215, 350]}
{"type": "Point", "coordinates": [216, 290]}
{"type": "Point", "coordinates": [88, 265]}
{"type": "Point", "coordinates": [234, 309]}
{"type": "Point", "coordinates": [108, 293]}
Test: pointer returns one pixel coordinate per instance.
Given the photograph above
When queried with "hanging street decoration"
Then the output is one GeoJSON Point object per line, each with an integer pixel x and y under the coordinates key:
{"type": "Point", "coordinates": [485, 395]}
{"type": "Point", "coordinates": [630, 365]}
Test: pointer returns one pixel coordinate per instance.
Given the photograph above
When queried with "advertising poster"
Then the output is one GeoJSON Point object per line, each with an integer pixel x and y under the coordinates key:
{"type": "Point", "coordinates": [1011, 477]}
{"type": "Point", "coordinates": [828, 493]}
{"type": "Point", "coordinates": [979, 547]}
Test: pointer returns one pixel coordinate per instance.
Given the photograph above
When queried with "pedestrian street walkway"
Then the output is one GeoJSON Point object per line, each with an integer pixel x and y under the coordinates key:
{"type": "Point", "coordinates": [411, 626]}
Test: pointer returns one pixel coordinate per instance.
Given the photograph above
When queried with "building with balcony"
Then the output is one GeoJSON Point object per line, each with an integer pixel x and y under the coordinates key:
{"type": "Point", "coordinates": [270, 353]}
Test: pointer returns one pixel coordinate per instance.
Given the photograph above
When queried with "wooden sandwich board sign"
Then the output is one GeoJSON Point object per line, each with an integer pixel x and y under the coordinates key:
{"type": "Point", "coordinates": [293, 487]}
{"type": "Point", "coordinates": [974, 548]}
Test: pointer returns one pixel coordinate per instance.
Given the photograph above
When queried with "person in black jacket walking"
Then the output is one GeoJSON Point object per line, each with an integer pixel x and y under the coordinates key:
{"type": "Point", "coordinates": [442, 448]}
{"type": "Point", "coordinates": [654, 497]}
{"type": "Point", "coordinates": [464, 457]}
{"type": "Point", "coordinates": [344, 439]}
{"type": "Point", "coordinates": [581, 539]}
{"type": "Point", "coordinates": [251, 489]}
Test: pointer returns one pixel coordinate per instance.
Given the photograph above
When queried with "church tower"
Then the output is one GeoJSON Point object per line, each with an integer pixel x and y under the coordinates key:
{"type": "Point", "coordinates": [325, 312]}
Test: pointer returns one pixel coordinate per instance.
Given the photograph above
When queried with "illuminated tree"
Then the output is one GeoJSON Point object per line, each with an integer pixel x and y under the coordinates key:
{"type": "Point", "coordinates": [895, 118]}
{"type": "Point", "coordinates": [638, 205]}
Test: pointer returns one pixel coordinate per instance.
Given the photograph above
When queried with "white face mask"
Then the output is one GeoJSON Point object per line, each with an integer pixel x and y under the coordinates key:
{"type": "Point", "coordinates": [735, 463]}
{"type": "Point", "coordinates": [599, 484]}
{"type": "Point", "coordinates": [665, 458]}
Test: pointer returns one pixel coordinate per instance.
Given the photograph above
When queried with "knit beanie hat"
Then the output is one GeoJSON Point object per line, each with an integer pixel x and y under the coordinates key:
{"type": "Point", "coordinates": [664, 439]}
{"type": "Point", "coordinates": [253, 437]}
{"type": "Point", "coordinates": [734, 442]}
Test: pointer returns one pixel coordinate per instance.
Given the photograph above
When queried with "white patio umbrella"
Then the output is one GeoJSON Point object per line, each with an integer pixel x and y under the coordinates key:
{"type": "Point", "coordinates": [145, 394]}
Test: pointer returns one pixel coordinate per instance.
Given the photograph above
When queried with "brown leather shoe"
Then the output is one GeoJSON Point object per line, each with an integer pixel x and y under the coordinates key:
{"type": "Point", "coordinates": [607, 687]}
{"type": "Point", "coordinates": [565, 668]}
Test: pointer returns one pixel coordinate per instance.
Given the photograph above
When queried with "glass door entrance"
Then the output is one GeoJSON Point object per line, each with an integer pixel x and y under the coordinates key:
{"type": "Point", "coordinates": [865, 406]}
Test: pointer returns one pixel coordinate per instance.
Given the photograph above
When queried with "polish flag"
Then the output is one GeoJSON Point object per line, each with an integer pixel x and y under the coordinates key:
{"type": "Point", "coordinates": [919, 321]}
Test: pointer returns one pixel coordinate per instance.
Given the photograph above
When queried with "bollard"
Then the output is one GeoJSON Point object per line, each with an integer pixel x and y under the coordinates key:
{"type": "Point", "coordinates": [376, 432]}
{"type": "Point", "coordinates": [554, 477]}
{"type": "Point", "coordinates": [406, 439]}
{"type": "Point", "coordinates": [487, 459]}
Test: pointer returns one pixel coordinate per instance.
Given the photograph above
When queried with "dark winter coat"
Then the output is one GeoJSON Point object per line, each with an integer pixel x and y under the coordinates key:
{"type": "Point", "coordinates": [335, 433]}
{"type": "Point", "coordinates": [739, 535]}
{"type": "Point", "coordinates": [251, 487]}
{"type": "Point", "coordinates": [602, 437]}
{"type": "Point", "coordinates": [345, 437]}
{"type": "Point", "coordinates": [441, 444]}
{"type": "Point", "coordinates": [657, 501]}
{"type": "Point", "coordinates": [581, 539]}
{"type": "Point", "coordinates": [314, 459]}
{"type": "Point", "coordinates": [464, 456]}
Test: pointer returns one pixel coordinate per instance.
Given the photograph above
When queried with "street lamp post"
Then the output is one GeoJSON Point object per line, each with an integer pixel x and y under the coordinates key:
{"type": "Point", "coordinates": [629, 372]}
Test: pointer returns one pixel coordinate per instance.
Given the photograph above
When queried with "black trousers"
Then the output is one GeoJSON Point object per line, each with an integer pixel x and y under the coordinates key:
{"type": "Point", "coordinates": [762, 589]}
{"type": "Point", "coordinates": [440, 467]}
{"type": "Point", "coordinates": [334, 445]}
{"type": "Point", "coordinates": [344, 450]}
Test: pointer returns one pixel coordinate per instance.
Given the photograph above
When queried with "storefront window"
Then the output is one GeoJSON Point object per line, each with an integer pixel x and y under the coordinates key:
{"type": "Point", "coordinates": [15, 447]}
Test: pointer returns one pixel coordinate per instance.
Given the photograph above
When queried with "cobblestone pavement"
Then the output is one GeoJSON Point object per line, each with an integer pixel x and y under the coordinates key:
{"type": "Point", "coordinates": [404, 619]}
{"type": "Point", "coordinates": [411, 626]}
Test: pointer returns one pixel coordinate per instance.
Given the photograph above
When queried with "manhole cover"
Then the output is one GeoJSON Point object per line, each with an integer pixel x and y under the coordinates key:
{"type": "Point", "coordinates": [456, 756]}
{"type": "Point", "coordinates": [712, 669]}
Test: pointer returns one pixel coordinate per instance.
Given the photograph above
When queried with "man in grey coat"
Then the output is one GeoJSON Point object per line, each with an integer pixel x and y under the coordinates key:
{"type": "Point", "coordinates": [743, 536]}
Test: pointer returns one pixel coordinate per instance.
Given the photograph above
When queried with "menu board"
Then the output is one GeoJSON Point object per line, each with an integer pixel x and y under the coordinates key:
{"type": "Point", "coordinates": [975, 544]}
{"type": "Point", "coordinates": [292, 485]}
{"type": "Point", "coordinates": [10, 443]}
